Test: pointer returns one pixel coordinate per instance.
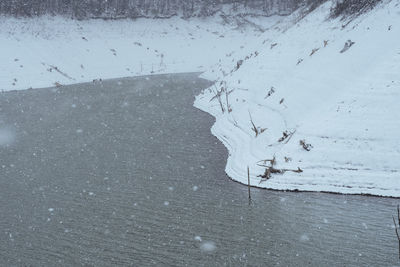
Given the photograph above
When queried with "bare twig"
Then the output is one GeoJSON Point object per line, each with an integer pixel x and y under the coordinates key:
{"type": "Point", "coordinates": [217, 95]}
{"type": "Point", "coordinates": [397, 226]}
{"type": "Point", "coordinates": [286, 135]}
{"type": "Point", "coordinates": [269, 170]}
{"type": "Point", "coordinates": [257, 130]}
{"type": "Point", "coordinates": [313, 51]}
{"type": "Point", "coordinates": [248, 181]}
{"type": "Point", "coordinates": [227, 102]}
{"type": "Point", "coordinates": [62, 73]}
{"type": "Point", "coordinates": [271, 161]}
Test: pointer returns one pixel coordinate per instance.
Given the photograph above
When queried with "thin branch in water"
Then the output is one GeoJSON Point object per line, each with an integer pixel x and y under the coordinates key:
{"type": "Point", "coordinates": [397, 226]}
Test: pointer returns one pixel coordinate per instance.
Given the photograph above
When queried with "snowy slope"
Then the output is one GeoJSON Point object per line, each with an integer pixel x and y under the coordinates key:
{"type": "Point", "coordinates": [345, 105]}
{"type": "Point", "coordinates": [39, 52]}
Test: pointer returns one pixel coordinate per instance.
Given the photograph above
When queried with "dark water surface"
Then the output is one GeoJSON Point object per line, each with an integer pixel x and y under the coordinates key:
{"type": "Point", "coordinates": [126, 172]}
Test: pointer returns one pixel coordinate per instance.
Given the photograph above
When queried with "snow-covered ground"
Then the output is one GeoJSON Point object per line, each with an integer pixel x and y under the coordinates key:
{"type": "Point", "coordinates": [343, 105]}
{"type": "Point", "coordinates": [40, 52]}
{"type": "Point", "coordinates": [274, 74]}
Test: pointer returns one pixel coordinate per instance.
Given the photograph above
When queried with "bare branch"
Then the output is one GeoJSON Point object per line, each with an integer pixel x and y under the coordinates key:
{"type": "Point", "coordinates": [396, 229]}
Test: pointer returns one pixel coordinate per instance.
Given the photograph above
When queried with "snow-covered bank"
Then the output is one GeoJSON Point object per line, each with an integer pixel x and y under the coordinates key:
{"type": "Point", "coordinates": [305, 89]}
{"type": "Point", "coordinates": [45, 51]}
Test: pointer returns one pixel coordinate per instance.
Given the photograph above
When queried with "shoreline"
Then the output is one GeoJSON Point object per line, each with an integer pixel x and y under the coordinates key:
{"type": "Point", "coordinates": [340, 103]}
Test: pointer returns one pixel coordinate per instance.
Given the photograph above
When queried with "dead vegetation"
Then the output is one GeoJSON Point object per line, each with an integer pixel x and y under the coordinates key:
{"type": "Point", "coordinates": [304, 145]}
{"type": "Point", "coordinates": [286, 136]}
{"type": "Point", "coordinates": [314, 51]}
{"type": "Point", "coordinates": [257, 130]}
{"type": "Point", "coordinates": [52, 67]}
{"type": "Point", "coordinates": [347, 45]}
{"type": "Point", "coordinates": [270, 169]}
{"type": "Point", "coordinates": [113, 51]}
{"type": "Point", "coordinates": [240, 62]}
{"type": "Point", "coordinates": [299, 61]}
{"type": "Point", "coordinates": [218, 94]}
{"type": "Point", "coordinates": [397, 226]}
{"type": "Point", "coordinates": [270, 92]}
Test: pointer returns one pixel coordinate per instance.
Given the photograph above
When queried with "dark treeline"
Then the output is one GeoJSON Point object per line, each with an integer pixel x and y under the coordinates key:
{"type": "Point", "coordinates": [352, 7]}
{"type": "Point", "coordinates": [113, 9]}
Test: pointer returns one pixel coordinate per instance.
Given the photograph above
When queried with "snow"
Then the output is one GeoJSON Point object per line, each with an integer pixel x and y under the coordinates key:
{"type": "Point", "coordinates": [7, 136]}
{"type": "Point", "coordinates": [344, 105]}
{"type": "Point", "coordinates": [284, 74]}
{"type": "Point", "coordinates": [208, 246]}
{"type": "Point", "coordinates": [304, 238]}
{"type": "Point", "coordinates": [197, 238]}
{"type": "Point", "coordinates": [48, 51]}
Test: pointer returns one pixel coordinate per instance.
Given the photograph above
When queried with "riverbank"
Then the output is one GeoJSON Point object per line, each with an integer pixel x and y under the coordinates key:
{"type": "Point", "coordinates": [47, 51]}
{"type": "Point", "coordinates": [319, 99]}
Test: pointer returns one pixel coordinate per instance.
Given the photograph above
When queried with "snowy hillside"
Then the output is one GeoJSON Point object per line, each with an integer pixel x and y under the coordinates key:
{"type": "Point", "coordinates": [45, 51]}
{"type": "Point", "coordinates": [319, 98]}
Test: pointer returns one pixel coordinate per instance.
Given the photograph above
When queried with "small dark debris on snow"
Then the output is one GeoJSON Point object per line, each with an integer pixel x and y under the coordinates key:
{"type": "Point", "coordinates": [299, 61]}
{"type": "Point", "coordinates": [286, 135]}
{"type": "Point", "coordinates": [347, 45]}
{"type": "Point", "coordinates": [314, 51]}
{"type": "Point", "coordinates": [270, 92]}
{"type": "Point", "coordinates": [305, 145]}
{"type": "Point", "coordinates": [238, 64]}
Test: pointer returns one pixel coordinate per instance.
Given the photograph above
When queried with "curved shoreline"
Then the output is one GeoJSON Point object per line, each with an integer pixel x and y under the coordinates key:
{"type": "Point", "coordinates": [238, 144]}
{"type": "Point", "coordinates": [336, 106]}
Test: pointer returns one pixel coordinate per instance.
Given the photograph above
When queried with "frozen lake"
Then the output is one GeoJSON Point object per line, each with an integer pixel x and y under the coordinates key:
{"type": "Point", "coordinates": [126, 172]}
